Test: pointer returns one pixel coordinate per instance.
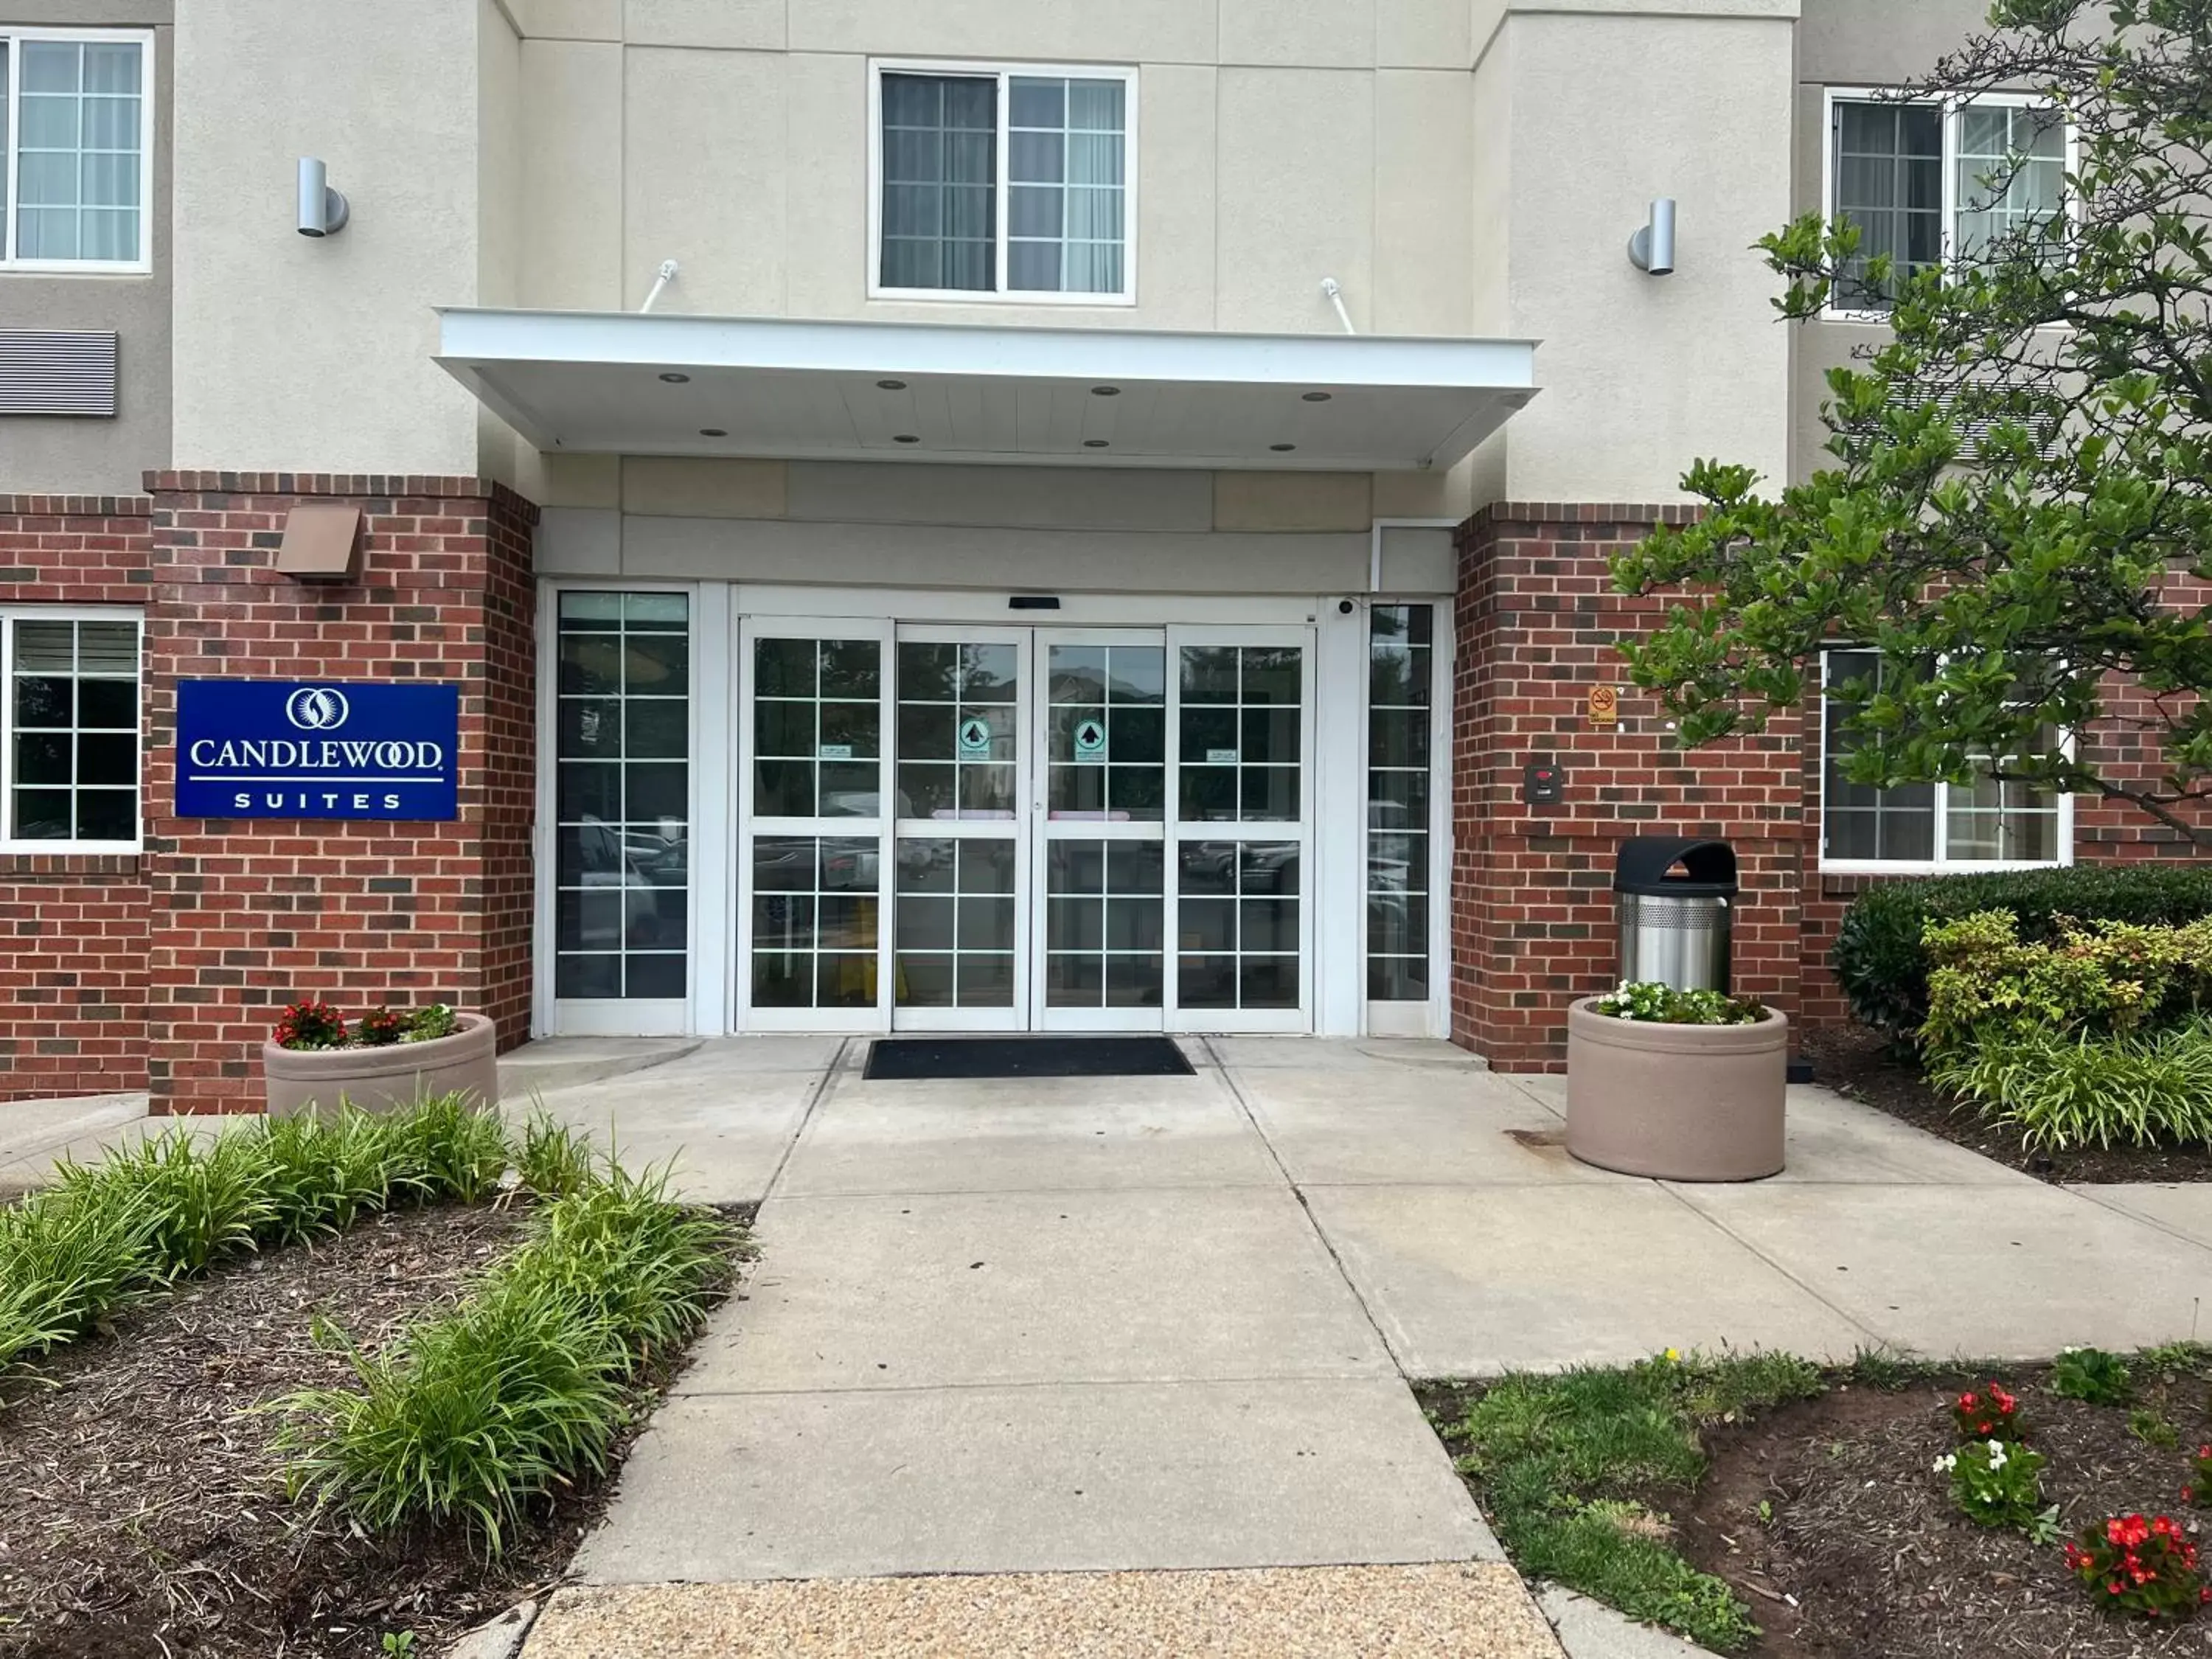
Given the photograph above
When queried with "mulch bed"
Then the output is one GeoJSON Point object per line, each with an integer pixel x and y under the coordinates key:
{"type": "Point", "coordinates": [144, 1518]}
{"type": "Point", "coordinates": [1865, 1539]}
{"type": "Point", "coordinates": [1857, 1062]}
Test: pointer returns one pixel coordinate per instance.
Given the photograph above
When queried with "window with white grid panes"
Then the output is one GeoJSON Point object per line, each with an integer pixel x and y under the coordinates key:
{"type": "Point", "coordinates": [956, 929]}
{"type": "Point", "coordinates": [1103, 919]}
{"type": "Point", "coordinates": [1106, 732]}
{"type": "Point", "coordinates": [1242, 719]}
{"type": "Point", "coordinates": [623, 797]}
{"type": "Point", "coordinates": [1400, 682]}
{"type": "Point", "coordinates": [817, 728]}
{"type": "Point", "coordinates": [815, 901]}
{"type": "Point", "coordinates": [1925, 825]}
{"type": "Point", "coordinates": [1236, 922]}
{"type": "Point", "coordinates": [69, 762]}
{"type": "Point", "coordinates": [77, 159]}
{"type": "Point", "coordinates": [958, 745]}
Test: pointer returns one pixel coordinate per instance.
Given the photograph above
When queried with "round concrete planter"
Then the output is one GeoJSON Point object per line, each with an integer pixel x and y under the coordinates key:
{"type": "Point", "coordinates": [1681, 1102]}
{"type": "Point", "coordinates": [386, 1078]}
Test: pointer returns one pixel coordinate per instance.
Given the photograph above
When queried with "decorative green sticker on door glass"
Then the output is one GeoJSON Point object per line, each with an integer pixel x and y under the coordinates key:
{"type": "Point", "coordinates": [974, 738]}
{"type": "Point", "coordinates": [1090, 740]}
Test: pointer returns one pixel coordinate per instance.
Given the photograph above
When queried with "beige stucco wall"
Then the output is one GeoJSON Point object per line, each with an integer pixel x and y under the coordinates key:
{"type": "Point", "coordinates": [1642, 375]}
{"type": "Point", "coordinates": [75, 456]}
{"type": "Point", "coordinates": [1461, 166]}
{"type": "Point", "coordinates": [295, 354]}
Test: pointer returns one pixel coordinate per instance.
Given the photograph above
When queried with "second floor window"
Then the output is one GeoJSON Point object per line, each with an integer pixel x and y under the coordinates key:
{"type": "Point", "coordinates": [76, 128]}
{"type": "Point", "coordinates": [1003, 182]}
{"type": "Point", "coordinates": [1926, 185]}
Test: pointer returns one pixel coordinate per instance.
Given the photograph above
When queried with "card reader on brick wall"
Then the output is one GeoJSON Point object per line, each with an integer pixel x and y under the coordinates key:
{"type": "Point", "coordinates": [1542, 782]}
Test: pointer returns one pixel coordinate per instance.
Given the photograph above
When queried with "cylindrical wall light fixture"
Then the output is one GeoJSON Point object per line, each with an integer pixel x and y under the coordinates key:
{"type": "Point", "coordinates": [1651, 250]}
{"type": "Point", "coordinates": [323, 211]}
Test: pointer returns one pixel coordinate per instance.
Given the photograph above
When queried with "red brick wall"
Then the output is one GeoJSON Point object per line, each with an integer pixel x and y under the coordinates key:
{"type": "Point", "coordinates": [1533, 909]}
{"type": "Point", "coordinates": [248, 915]}
{"type": "Point", "coordinates": [73, 927]}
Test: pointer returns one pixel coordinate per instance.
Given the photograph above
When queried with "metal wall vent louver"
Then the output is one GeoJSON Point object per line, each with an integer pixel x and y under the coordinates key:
{"type": "Point", "coordinates": [1971, 432]}
{"type": "Point", "coordinates": [57, 371]}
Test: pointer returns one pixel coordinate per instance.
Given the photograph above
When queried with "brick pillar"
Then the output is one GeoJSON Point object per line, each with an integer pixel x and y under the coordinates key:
{"type": "Point", "coordinates": [1533, 928]}
{"type": "Point", "coordinates": [248, 915]}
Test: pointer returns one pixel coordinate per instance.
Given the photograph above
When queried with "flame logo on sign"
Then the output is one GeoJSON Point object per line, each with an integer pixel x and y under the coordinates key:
{"type": "Point", "coordinates": [317, 709]}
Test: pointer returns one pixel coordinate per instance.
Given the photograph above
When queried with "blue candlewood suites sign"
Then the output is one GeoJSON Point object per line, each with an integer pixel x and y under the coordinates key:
{"type": "Point", "coordinates": [317, 748]}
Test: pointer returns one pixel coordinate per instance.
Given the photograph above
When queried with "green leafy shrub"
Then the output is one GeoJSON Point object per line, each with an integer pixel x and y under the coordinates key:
{"type": "Point", "coordinates": [2199, 1489]}
{"type": "Point", "coordinates": [1566, 1464]}
{"type": "Point", "coordinates": [1653, 1003]}
{"type": "Point", "coordinates": [475, 1413]}
{"type": "Point", "coordinates": [1995, 1483]}
{"type": "Point", "coordinates": [428, 1024]}
{"type": "Point", "coordinates": [1881, 962]}
{"type": "Point", "coordinates": [323, 1173]}
{"type": "Point", "coordinates": [2091, 1375]}
{"type": "Point", "coordinates": [2097, 978]}
{"type": "Point", "coordinates": [2062, 1092]}
{"type": "Point", "coordinates": [2145, 1568]}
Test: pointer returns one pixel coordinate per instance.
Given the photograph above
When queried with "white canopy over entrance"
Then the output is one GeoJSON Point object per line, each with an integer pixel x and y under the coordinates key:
{"type": "Point", "coordinates": [776, 388]}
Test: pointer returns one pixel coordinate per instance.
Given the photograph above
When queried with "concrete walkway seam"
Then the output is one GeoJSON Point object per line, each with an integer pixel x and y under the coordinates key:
{"type": "Point", "coordinates": [814, 1098]}
{"type": "Point", "coordinates": [1298, 1191]}
{"type": "Point", "coordinates": [1874, 1338]}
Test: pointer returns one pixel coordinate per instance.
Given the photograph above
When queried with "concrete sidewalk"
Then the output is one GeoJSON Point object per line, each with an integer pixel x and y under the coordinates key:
{"type": "Point", "coordinates": [1087, 1326]}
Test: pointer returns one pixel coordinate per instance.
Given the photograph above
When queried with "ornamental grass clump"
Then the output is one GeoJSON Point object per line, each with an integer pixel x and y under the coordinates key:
{"type": "Point", "coordinates": [158, 1210]}
{"type": "Point", "coordinates": [2199, 1489]}
{"type": "Point", "coordinates": [2142, 1568]}
{"type": "Point", "coordinates": [474, 1414]}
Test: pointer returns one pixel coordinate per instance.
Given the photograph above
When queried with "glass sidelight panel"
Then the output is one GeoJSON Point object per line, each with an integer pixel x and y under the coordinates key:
{"type": "Point", "coordinates": [1104, 905]}
{"type": "Point", "coordinates": [815, 904]}
{"type": "Point", "coordinates": [959, 743]}
{"type": "Point", "coordinates": [817, 719]}
{"type": "Point", "coordinates": [1237, 924]}
{"type": "Point", "coordinates": [957, 921]}
{"type": "Point", "coordinates": [1401, 676]}
{"type": "Point", "coordinates": [621, 790]}
{"type": "Point", "coordinates": [1240, 732]}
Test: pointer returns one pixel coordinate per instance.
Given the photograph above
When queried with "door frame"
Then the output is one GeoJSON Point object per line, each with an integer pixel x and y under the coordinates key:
{"type": "Point", "coordinates": [1014, 1017]}
{"type": "Point", "coordinates": [1043, 1017]}
{"type": "Point", "coordinates": [1334, 992]}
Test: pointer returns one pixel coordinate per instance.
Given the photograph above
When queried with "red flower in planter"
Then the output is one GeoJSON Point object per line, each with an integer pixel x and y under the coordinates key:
{"type": "Point", "coordinates": [309, 1023]}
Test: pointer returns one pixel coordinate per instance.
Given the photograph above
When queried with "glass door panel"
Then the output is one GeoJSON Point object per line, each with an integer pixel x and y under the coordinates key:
{"type": "Point", "coordinates": [810, 874]}
{"type": "Point", "coordinates": [961, 956]}
{"type": "Point", "coordinates": [1104, 702]}
{"type": "Point", "coordinates": [1242, 793]}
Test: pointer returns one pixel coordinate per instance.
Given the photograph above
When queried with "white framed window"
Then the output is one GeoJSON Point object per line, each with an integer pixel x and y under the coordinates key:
{"type": "Point", "coordinates": [70, 730]}
{"type": "Point", "coordinates": [77, 150]}
{"type": "Point", "coordinates": [1931, 184]}
{"type": "Point", "coordinates": [1002, 182]}
{"type": "Point", "coordinates": [1923, 827]}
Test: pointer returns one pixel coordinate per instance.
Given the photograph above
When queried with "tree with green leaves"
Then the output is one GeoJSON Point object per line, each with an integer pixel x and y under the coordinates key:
{"type": "Point", "coordinates": [2015, 511]}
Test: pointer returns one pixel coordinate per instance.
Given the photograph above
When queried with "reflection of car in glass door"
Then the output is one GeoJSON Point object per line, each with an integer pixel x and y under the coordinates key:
{"type": "Point", "coordinates": [648, 869]}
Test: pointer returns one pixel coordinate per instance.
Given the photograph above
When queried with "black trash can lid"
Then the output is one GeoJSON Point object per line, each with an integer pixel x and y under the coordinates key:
{"type": "Point", "coordinates": [1708, 867]}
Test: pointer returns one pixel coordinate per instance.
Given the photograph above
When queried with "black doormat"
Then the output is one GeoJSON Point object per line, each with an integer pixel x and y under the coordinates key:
{"type": "Point", "coordinates": [913, 1059]}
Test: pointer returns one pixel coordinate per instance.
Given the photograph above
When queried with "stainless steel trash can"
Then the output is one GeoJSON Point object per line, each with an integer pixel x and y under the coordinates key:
{"type": "Point", "coordinates": [1675, 897]}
